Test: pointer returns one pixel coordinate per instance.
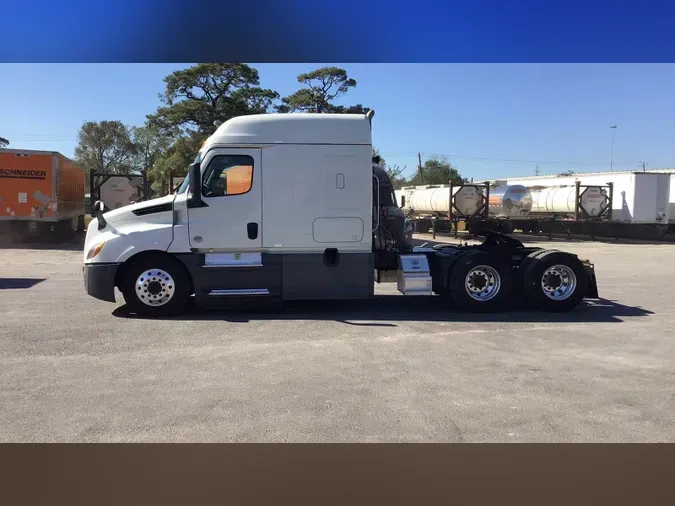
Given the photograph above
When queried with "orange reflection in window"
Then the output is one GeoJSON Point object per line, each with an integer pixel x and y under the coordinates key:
{"type": "Point", "coordinates": [239, 179]}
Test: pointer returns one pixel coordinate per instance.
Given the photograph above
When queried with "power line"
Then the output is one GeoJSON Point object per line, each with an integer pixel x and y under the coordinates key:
{"type": "Point", "coordinates": [50, 139]}
{"type": "Point", "coordinates": [44, 136]}
{"type": "Point", "coordinates": [33, 138]}
{"type": "Point", "coordinates": [503, 160]}
{"type": "Point", "coordinates": [539, 162]}
{"type": "Point", "coordinates": [450, 155]}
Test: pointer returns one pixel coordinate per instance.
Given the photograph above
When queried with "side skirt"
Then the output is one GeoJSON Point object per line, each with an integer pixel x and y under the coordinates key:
{"type": "Point", "coordinates": [226, 279]}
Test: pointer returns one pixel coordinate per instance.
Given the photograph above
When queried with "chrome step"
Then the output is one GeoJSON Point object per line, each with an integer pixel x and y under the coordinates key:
{"type": "Point", "coordinates": [244, 291]}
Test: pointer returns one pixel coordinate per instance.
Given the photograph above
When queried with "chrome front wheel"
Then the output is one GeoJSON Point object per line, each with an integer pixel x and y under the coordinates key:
{"type": "Point", "coordinates": [155, 287]}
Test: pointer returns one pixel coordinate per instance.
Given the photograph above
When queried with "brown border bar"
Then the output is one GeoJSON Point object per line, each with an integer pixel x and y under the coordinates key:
{"type": "Point", "coordinates": [344, 474]}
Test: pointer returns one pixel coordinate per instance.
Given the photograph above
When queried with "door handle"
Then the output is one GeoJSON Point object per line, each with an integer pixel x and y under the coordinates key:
{"type": "Point", "coordinates": [252, 229]}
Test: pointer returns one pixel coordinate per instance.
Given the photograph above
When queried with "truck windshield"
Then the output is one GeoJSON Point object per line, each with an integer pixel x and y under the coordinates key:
{"type": "Point", "coordinates": [186, 182]}
{"type": "Point", "coordinates": [183, 186]}
{"type": "Point", "coordinates": [387, 196]}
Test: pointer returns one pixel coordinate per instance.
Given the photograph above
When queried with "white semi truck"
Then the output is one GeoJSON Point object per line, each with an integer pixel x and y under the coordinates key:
{"type": "Point", "coordinates": [292, 207]}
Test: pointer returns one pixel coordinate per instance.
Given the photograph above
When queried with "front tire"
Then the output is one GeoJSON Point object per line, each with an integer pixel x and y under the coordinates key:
{"type": "Point", "coordinates": [155, 285]}
{"type": "Point", "coordinates": [480, 282]}
{"type": "Point", "coordinates": [555, 281]}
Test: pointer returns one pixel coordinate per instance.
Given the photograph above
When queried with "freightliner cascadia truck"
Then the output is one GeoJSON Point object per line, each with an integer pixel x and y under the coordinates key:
{"type": "Point", "coordinates": [291, 207]}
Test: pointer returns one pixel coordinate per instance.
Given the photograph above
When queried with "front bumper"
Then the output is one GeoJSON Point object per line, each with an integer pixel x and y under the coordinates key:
{"type": "Point", "coordinates": [99, 280]}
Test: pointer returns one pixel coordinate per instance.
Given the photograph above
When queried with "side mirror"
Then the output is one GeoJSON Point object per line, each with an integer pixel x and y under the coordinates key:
{"type": "Point", "coordinates": [195, 184]}
{"type": "Point", "coordinates": [97, 212]}
{"type": "Point", "coordinates": [402, 201]}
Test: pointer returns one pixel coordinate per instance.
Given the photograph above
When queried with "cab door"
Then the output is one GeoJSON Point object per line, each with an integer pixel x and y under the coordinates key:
{"type": "Point", "coordinates": [230, 218]}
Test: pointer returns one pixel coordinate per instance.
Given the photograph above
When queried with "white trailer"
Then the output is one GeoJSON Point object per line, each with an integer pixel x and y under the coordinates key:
{"type": "Point", "coordinates": [639, 197]}
{"type": "Point", "coordinates": [291, 207]}
{"type": "Point", "coordinates": [611, 204]}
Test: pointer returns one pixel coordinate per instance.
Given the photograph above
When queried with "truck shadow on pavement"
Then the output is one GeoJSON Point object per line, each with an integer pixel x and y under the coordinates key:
{"type": "Point", "coordinates": [528, 239]}
{"type": "Point", "coordinates": [19, 283]}
{"type": "Point", "coordinates": [621, 241]}
{"type": "Point", "coordinates": [386, 310]}
{"type": "Point", "coordinates": [74, 243]}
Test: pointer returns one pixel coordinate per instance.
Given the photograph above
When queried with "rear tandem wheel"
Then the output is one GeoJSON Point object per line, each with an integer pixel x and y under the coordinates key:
{"type": "Point", "coordinates": [553, 280]}
{"type": "Point", "coordinates": [480, 282]}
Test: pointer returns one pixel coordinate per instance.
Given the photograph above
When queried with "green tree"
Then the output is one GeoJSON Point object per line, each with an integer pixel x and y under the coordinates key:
{"type": "Point", "coordinates": [194, 102]}
{"type": "Point", "coordinates": [105, 147]}
{"type": "Point", "coordinates": [322, 87]}
{"type": "Point", "coordinates": [174, 161]}
{"type": "Point", "coordinates": [3, 142]}
{"type": "Point", "coordinates": [437, 170]}
{"type": "Point", "coordinates": [150, 145]}
{"type": "Point", "coordinates": [199, 96]}
{"type": "Point", "coordinates": [396, 175]}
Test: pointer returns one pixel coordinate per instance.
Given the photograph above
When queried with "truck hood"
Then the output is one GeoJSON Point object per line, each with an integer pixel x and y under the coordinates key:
{"type": "Point", "coordinates": [130, 212]}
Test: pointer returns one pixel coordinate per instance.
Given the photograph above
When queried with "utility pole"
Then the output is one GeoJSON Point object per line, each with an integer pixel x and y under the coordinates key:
{"type": "Point", "coordinates": [536, 171]}
{"type": "Point", "coordinates": [643, 167]}
{"type": "Point", "coordinates": [146, 183]}
{"type": "Point", "coordinates": [419, 158]}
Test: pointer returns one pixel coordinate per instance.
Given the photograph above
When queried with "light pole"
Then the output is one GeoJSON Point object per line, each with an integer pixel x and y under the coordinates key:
{"type": "Point", "coordinates": [611, 160]}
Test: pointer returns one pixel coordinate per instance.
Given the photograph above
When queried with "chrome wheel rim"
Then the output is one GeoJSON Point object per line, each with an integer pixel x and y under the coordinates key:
{"type": "Point", "coordinates": [155, 287]}
{"type": "Point", "coordinates": [559, 282]}
{"type": "Point", "coordinates": [482, 283]}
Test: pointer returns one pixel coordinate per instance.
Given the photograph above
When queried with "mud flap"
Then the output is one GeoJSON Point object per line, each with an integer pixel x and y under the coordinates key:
{"type": "Point", "coordinates": [592, 292]}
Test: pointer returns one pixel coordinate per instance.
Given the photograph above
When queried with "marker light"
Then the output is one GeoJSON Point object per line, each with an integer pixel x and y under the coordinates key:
{"type": "Point", "coordinates": [95, 250]}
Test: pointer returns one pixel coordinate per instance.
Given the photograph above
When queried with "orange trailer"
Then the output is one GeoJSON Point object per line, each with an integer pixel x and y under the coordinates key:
{"type": "Point", "coordinates": [40, 191]}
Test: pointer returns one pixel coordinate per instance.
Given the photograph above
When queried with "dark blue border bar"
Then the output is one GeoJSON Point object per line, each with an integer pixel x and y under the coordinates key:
{"type": "Point", "coordinates": [344, 31]}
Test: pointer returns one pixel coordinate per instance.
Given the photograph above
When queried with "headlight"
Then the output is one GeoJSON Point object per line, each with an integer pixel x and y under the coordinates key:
{"type": "Point", "coordinates": [95, 250]}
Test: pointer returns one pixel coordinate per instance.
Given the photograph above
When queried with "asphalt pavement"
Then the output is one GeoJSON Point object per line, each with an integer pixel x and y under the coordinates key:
{"type": "Point", "coordinates": [75, 369]}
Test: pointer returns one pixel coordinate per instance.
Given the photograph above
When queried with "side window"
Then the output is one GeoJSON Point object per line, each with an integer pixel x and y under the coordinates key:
{"type": "Point", "coordinates": [228, 175]}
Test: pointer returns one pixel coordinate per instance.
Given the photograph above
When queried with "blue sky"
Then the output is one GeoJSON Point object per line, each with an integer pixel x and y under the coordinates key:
{"type": "Point", "coordinates": [489, 120]}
